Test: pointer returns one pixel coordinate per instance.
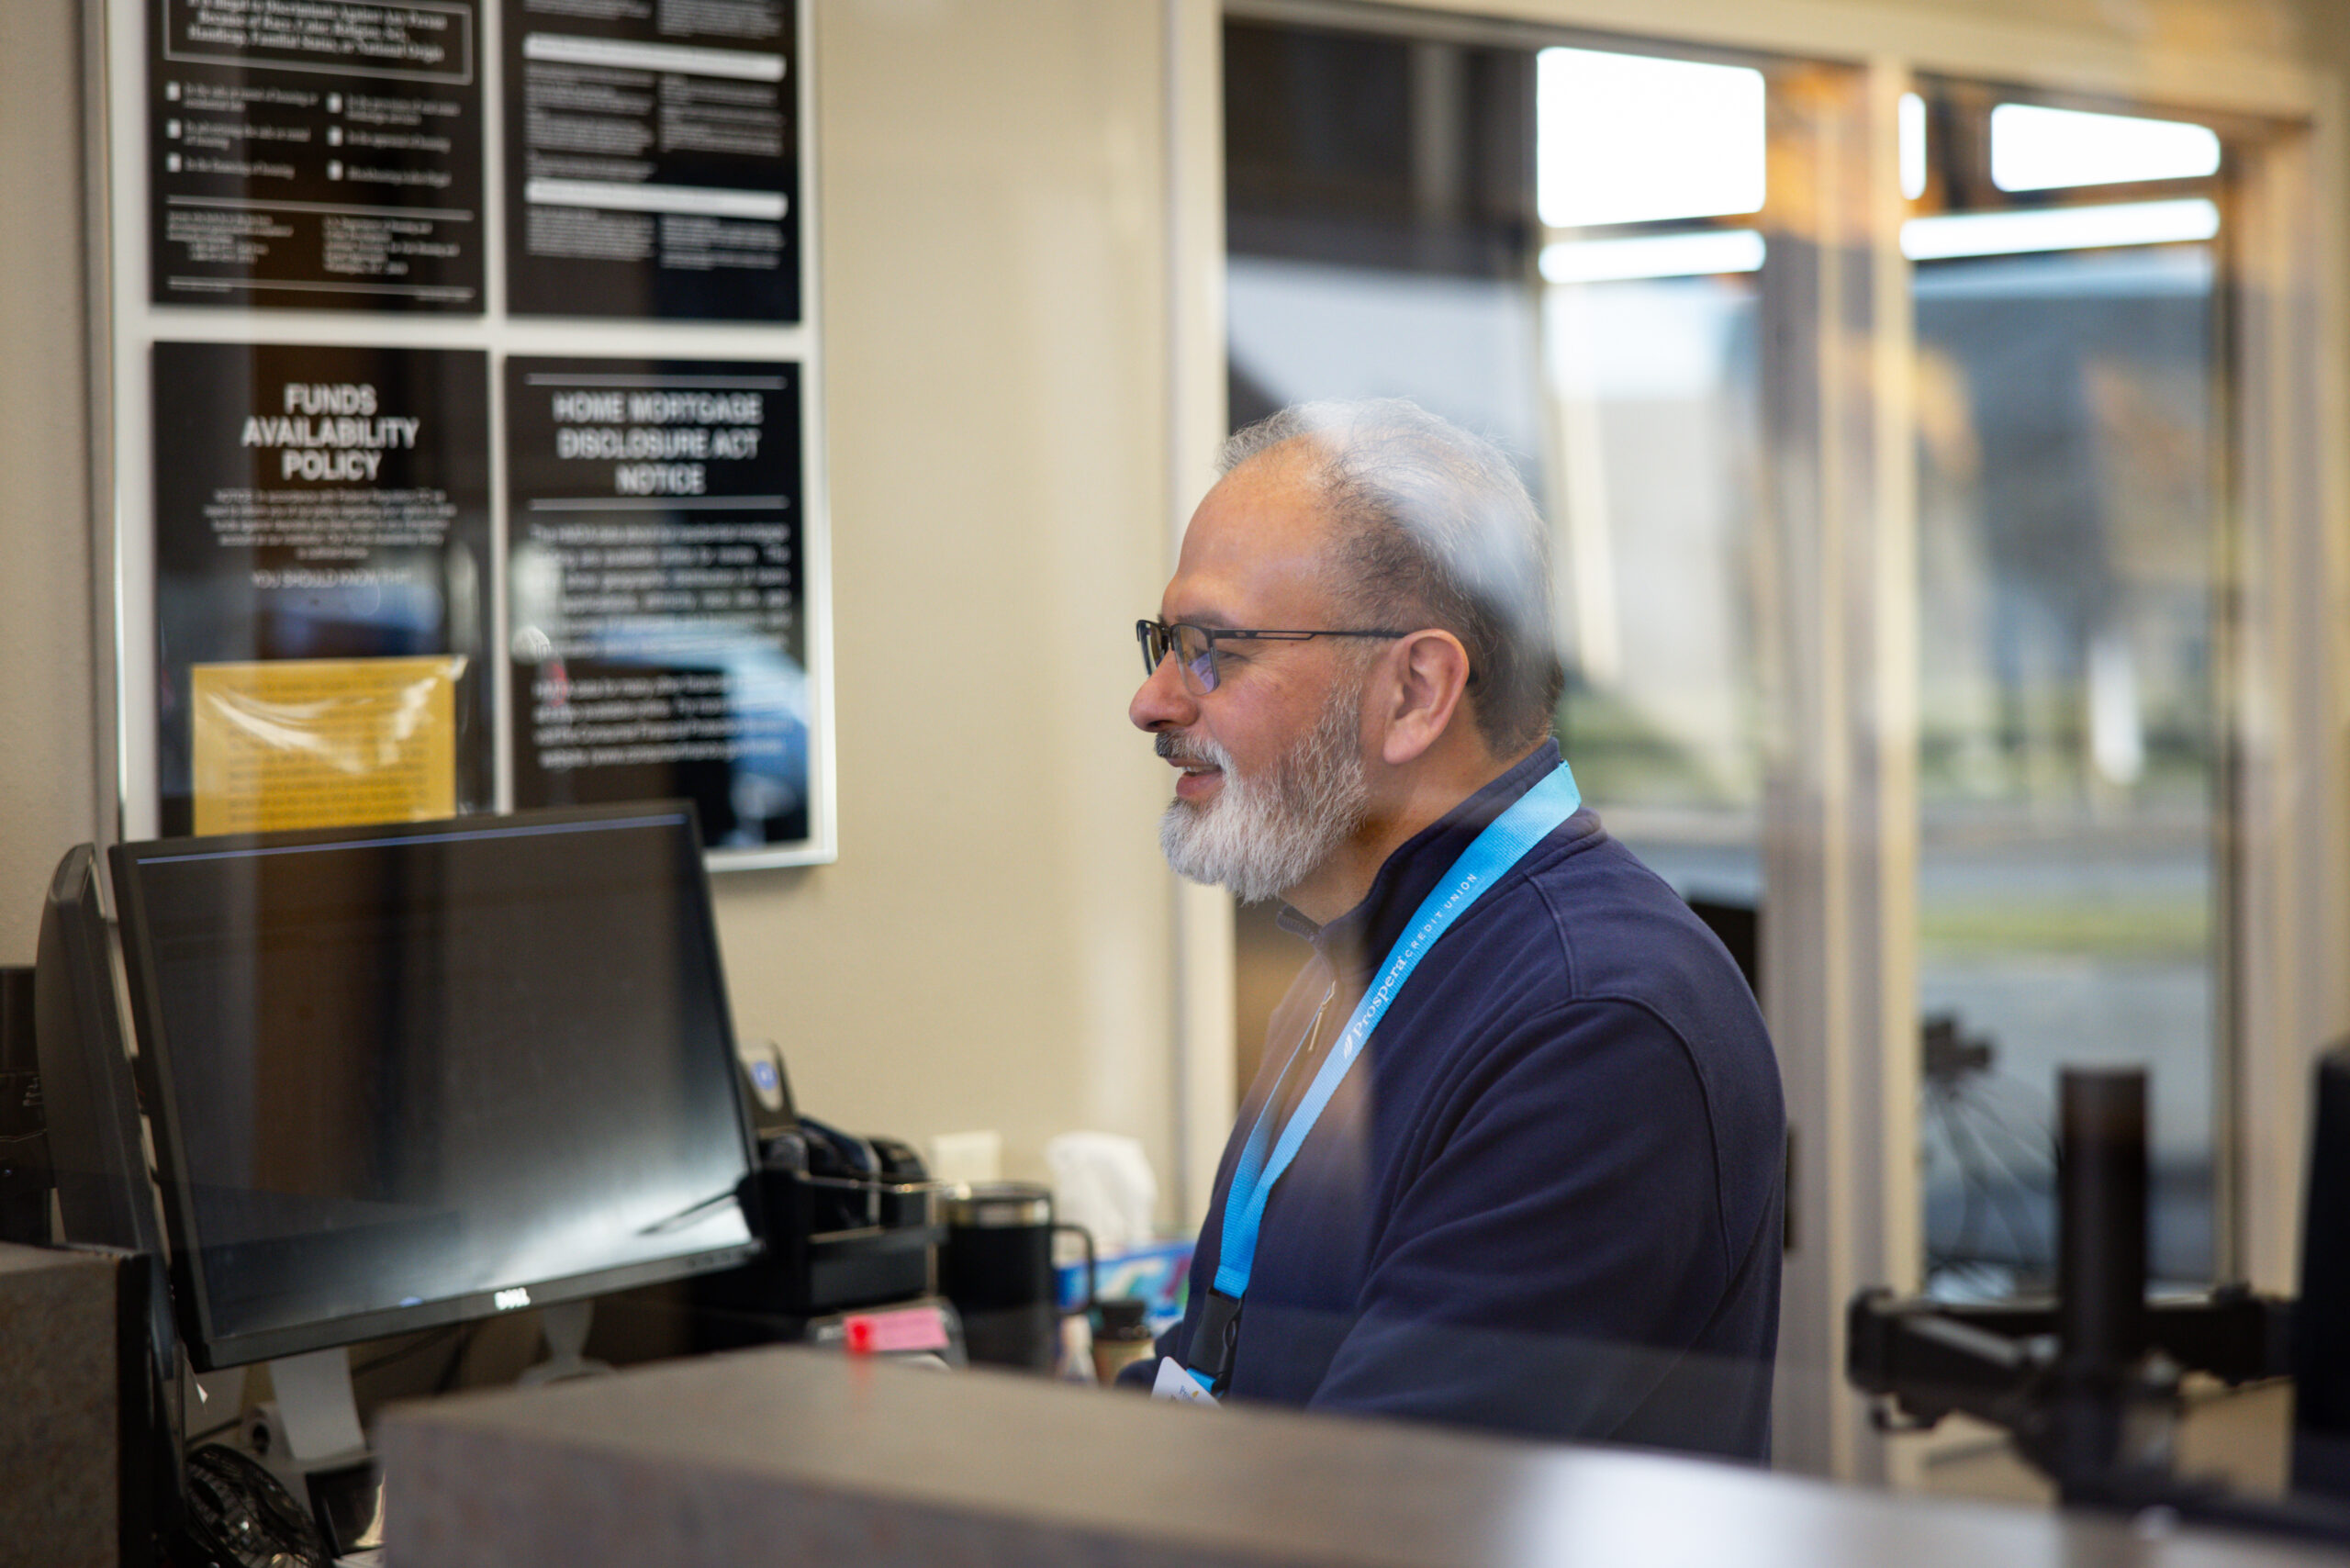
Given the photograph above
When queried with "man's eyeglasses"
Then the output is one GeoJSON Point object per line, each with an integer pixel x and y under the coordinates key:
{"type": "Point", "coordinates": [1195, 647]}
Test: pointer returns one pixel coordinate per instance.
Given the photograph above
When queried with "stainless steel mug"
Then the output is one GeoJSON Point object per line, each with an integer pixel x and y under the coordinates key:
{"type": "Point", "coordinates": [997, 1268]}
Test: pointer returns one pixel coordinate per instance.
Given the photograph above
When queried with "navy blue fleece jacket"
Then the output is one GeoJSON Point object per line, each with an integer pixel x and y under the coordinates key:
{"type": "Point", "coordinates": [1546, 1198]}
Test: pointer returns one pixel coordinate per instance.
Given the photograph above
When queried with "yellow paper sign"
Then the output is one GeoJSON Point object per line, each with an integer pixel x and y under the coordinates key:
{"type": "Point", "coordinates": [324, 742]}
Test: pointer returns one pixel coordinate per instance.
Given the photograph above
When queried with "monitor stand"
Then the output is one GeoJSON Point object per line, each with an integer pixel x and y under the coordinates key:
{"type": "Point", "coordinates": [316, 1410]}
{"type": "Point", "coordinates": [566, 1325]}
{"type": "Point", "coordinates": [310, 1439]}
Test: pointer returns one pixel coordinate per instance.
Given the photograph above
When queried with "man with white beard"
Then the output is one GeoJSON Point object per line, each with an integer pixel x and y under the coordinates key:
{"type": "Point", "coordinates": [1515, 1156]}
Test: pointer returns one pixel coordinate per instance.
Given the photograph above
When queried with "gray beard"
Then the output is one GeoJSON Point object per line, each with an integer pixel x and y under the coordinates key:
{"type": "Point", "coordinates": [1261, 837]}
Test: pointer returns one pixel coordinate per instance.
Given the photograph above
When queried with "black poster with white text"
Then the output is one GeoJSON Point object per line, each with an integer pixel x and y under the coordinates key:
{"type": "Point", "coordinates": [323, 504]}
{"type": "Point", "coordinates": [651, 159]}
{"type": "Point", "coordinates": [657, 599]}
{"type": "Point", "coordinates": [316, 155]}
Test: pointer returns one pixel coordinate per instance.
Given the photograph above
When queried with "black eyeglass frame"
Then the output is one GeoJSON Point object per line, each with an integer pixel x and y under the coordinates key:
{"type": "Point", "coordinates": [1159, 638]}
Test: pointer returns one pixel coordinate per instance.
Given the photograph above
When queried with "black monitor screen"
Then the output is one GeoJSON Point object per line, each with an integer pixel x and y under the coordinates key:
{"type": "Point", "coordinates": [424, 1072]}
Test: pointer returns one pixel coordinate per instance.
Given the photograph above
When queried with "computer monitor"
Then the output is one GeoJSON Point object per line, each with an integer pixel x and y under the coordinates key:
{"type": "Point", "coordinates": [99, 1164]}
{"type": "Point", "coordinates": [2321, 1319]}
{"type": "Point", "coordinates": [97, 1155]}
{"type": "Point", "coordinates": [406, 1075]}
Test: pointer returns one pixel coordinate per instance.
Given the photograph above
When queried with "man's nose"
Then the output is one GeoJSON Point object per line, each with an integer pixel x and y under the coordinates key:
{"type": "Point", "coordinates": [1161, 702]}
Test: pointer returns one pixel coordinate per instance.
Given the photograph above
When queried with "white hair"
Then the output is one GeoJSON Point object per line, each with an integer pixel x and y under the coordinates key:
{"type": "Point", "coordinates": [1435, 529]}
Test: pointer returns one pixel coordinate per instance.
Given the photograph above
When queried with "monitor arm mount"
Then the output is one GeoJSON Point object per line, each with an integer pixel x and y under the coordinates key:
{"type": "Point", "coordinates": [2086, 1385]}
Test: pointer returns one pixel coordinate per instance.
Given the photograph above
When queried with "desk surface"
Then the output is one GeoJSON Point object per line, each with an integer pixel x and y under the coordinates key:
{"type": "Point", "coordinates": [793, 1456]}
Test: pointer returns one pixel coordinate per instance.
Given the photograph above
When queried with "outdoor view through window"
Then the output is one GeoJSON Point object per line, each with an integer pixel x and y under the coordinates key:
{"type": "Point", "coordinates": [2068, 308]}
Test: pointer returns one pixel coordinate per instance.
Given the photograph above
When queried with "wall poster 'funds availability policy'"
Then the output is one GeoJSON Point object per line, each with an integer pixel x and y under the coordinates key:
{"type": "Point", "coordinates": [315, 154]}
{"type": "Point", "coordinates": [321, 585]}
{"type": "Point", "coordinates": [656, 581]}
{"type": "Point", "coordinates": [651, 159]}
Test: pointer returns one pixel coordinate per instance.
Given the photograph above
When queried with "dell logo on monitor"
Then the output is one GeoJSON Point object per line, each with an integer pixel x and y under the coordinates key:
{"type": "Point", "coordinates": [507, 1300]}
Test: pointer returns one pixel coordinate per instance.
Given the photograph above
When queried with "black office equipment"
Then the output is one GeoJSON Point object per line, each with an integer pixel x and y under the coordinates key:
{"type": "Point", "coordinates": [767, 1088]}
{"type": "Point", "coordinates": [240, 1516]}
{"type": "Point", "coordinates": [851, 1223]}
{"type": "Point", "coordinates": [2321, 1322]}
{"type": "Point", "coordinates": [90, 1105]}
{"type": "Point", "coordinates": [1740, 926]}
{"type": "Point", "coordinates": [25, 1179]}
{"type": "Point", "coordinates": [2082, 1382]}
{"type": "Point", "coordinates": [417, 1073]}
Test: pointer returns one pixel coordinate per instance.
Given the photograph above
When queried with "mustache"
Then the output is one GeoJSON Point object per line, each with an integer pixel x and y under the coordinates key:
{"type": "Point", "coordinates": [1173, 747]}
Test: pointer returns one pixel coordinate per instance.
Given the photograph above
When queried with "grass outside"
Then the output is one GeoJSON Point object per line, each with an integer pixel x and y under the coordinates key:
{"type": "Point", "coordinates": [2153, 929]}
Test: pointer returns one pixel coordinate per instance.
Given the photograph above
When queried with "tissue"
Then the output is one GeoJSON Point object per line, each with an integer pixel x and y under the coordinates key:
{"type": "Point", "coordinates": [1103, 1182]}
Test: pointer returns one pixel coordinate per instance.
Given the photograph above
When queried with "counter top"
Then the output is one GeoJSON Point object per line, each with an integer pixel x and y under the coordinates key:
{"type": "Point", "coordinates": [791, 1456]}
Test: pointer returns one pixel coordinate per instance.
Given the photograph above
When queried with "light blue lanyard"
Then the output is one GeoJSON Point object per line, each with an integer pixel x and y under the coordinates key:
{"type": "Point", "coordinates": [1529, 820]}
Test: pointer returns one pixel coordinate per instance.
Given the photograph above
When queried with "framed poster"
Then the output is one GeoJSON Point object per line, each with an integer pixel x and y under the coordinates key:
{"type": "Point", "coordinates": [324, 156]}
{"type": "Point", "coordinates": [652, 165]}
{"type": "Point", "coordinates": [411, 514]}
{"type": "Point", "coordinates": [659, 625]}
{"type": "Point", "coordinates": [325, 506]}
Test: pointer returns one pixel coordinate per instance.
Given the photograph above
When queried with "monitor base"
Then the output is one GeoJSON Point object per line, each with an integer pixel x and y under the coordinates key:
{"type": "Point", "coordinates": [566, 1326]}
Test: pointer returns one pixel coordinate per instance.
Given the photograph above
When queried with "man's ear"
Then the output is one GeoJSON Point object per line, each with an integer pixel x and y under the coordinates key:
{"type": "Point", "coordinates": [1424, 675]}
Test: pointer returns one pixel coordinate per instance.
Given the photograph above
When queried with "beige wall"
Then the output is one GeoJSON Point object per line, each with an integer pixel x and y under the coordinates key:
{"type": "Point", "coordinates": [992, 949]}
{"type": "Point", "coordinates": [2266, 27]}
{"type": "Point", "coordinates": [49, 782]}
{"type": "Point", "coordinates": [2308, 32]}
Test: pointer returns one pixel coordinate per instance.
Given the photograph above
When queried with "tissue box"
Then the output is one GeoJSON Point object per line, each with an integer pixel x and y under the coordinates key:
{"type": "Point", "coordinates": [1151, 1271]}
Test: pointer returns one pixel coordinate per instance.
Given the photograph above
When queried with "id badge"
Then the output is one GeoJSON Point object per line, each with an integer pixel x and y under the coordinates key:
{"type": "Point", "coordinates": [1176, 1382]}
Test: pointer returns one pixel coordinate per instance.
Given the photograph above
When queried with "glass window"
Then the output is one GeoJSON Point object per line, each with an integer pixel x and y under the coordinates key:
{"type": "Point", "coordinates": [1631, 137]}
{"type": "Point", "coordinates": [2070, 391]}
{"type": "Point", "coordinates": [2036, 148]}
{"type": "Point", "coordinates": [1560, 248]}
{"type": "Point", "coordinates": [1379, 242]}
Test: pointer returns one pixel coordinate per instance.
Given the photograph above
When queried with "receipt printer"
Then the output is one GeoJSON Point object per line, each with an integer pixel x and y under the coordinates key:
{"type": "Point", "coordinates": [850, 1221]}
